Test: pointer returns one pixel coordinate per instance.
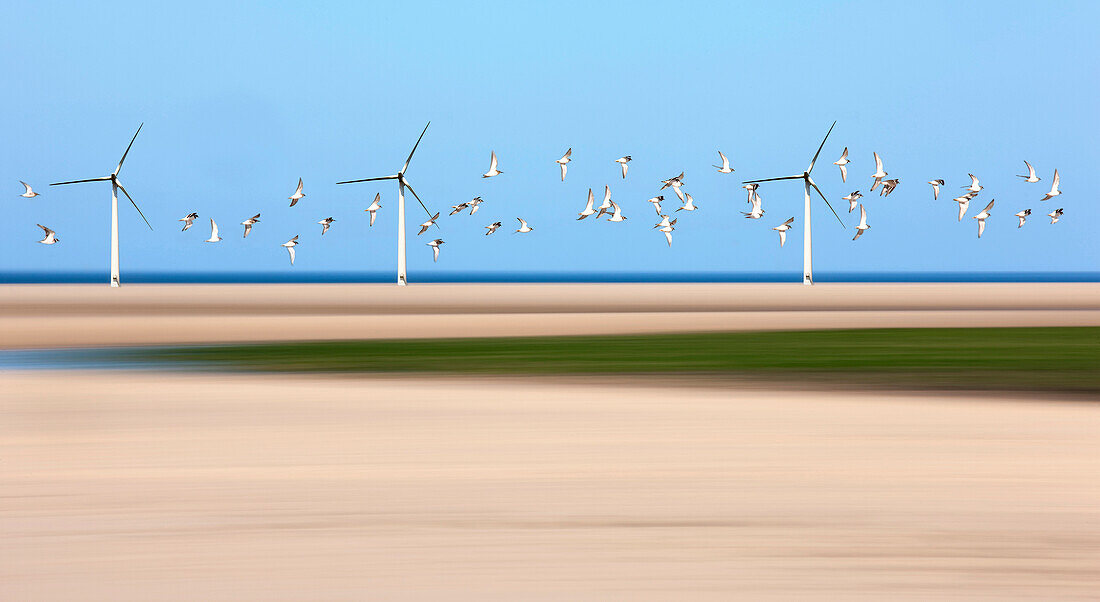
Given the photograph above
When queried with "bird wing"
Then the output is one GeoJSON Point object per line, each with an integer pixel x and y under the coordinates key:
{"type": "Point", "coordinates": [878, 164]}
{"type": "Point", "coordinates": [435, 252]}
{"type": "Point", "coordinates": [1057, 181]}
{"type": "Point", "coordinates": [247, 229]}
{"type": "Point", "coordinates": [962, 208]}
{"type": "Point", "coordinates": [27, 186]}
{"type": "Point", "coordinates": [782, 237]}
{"type": "Point", "coordinates": [989, 206]}
{"type": "Point", "coordinates": [46, 230]}
{"type": "Point", "coordinates": [213, 229]}
{"type": "Point", "coordinates": [493, 161]}
{"type": "Point", "coordinates": [843, 173]}
{"type": "Point", "coordinates": [566, 155]}
{"type": "Point", "coordinates": [564, 167]}
{"type": "Point", "coordinates": [291, 251]}
{"type": "Point", "coordinates": [1030, 170]}
{"type": "Point", "coordinates": [624, 169]}
{"type": "Point", "coordinates": [788, 222]}
{"type": "Point", "coordinates": [591, 200]}
{"type": "Point", "coordinates": [862, 215]}
{"type": "Point", "coordinates": [973, 181]}
{"type": "Point", "coordinates": [981, 227]}
{"type": "Point", "coordinates": [299, 190]}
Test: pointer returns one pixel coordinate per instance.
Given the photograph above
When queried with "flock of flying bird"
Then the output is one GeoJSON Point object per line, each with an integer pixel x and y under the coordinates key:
{"type": "Point", "coordinates": [664, 225]}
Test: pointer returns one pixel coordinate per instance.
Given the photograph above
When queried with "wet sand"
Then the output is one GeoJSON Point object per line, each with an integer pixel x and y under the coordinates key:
{"type": "Point", "coordinates": [95, 315]}
{"type": "Point", "coordinates": [179, 486]}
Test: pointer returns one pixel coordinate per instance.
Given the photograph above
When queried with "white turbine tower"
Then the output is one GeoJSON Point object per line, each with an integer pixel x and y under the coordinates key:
{"type": "Point", "coordinates": [115, 187]}
{"type": "Point", "coordinates": [402, 184]}
{"type": "Point", "coordinates": [807, 253]}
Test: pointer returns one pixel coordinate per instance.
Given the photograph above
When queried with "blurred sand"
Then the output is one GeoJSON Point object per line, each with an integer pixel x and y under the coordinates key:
{"type": "Point", "coordinates": [234, 487]}
{"type": "Point", "coordinates": [91, 315]}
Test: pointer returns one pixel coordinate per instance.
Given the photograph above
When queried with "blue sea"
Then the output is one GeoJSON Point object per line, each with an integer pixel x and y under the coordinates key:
{"type": "Point", "coordinates": [504, 277]}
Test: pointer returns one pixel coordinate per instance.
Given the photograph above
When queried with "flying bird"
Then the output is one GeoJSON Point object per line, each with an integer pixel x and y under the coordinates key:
{"type": "Point", "coordinates": [665, 223]}
{"type": "Point", "coordinates": [725, 166]}
{"type": "Point", "coordinates": [588, 210]}
{"type": "Point", "coordinates": [213, 232]}
{"type": "Point", "coordinates": [325, 223]}
{"type": "Point", "coordinates": [1030, 177]}
{"type": "Point", "coordinates": [879, 174]}
{"type": "Point", "coordinates": [605, 206]}
{"type": "Point", "coordinates": [428, 224]}
{"type": "Point", "coordinates": [1054, 215]}
{"type": "Point", "coordinates": [298, 194]}
{"type": "Point", "coordinates": [675, 182]}
{"type": "Point", "coordinates": [964, 203]}
{"type": "Point", "coordinates": [782, 229]}
{"type": "Point", "coordinates": [459, 208]}
{"type": "Point", "coordinates": [374, 207]}
{"type": "Point", "coordinates": [523, 227]}
{"type": "Point", "coordinates": [617, 214]}
{"type": "Point", "coordinates": [435, 248]}
{"type": "Point", "coordinates": [492, 167]}
{"type": "Point", "coordinates": [473, 204]}
{"type": "Point", "coordinates": [842, 163]}
{"type": "Point", "coordinates": [689, 204]}
{"type": "Point", "coordinates": [188, 220]}
{"type": "Point", "coordinates": [981, 217]}
{"type": "Point", "coordinates": [248, 224]}
{"type": "Point", "coordinates": [757, 211]}
{"type": "Point", "coordinates": [28, 194]}
{"type": "Point", "coordinates": [563, 162]}
{"type": "Point", "coordinates": [290, 244]}
{"type": "Point", "coordinates": [492, 228]}
{"type": "Point", "coordinates": [622, 161]}
{"type": "Point", "coordinates": [1053, 188]}
{"type": "Point", "coordinates": [1023, 217]}
{"type": "Point", "coordinates": [656, 203]}
{"type": "Point", "coordinates": [862, 222]}
{"type": "Point", "coordinates": [853, 200]}
{"type": "Point", "coordinates": [974, 186]}
{"type": "Point", "coordinates": [50, 236]}
{"type": "Point", "coordinates": [936, 188]}
{"type": "Point", "coordinates": [888, 186]}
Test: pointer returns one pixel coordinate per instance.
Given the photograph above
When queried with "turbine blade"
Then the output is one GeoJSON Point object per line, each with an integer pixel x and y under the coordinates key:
{"type": "Point", "coordinates": [135, 205]}
{"type": "Point", "coordinates": [103, 179]}
{"type": "Point", "coordinates": [406, 165]}
{"type": "Point", "coordinates": [368, 180]}
{"type": "Point", "coordinates": [128, 148]}
{"type": "Point", "coordinates": [772, 179]}
{"type": "Point", "coordinates": [819, 193]}
{"type": "Point", "coordinates": [814, 160]}
{"type": "Point", "coordinates": [420, 201]}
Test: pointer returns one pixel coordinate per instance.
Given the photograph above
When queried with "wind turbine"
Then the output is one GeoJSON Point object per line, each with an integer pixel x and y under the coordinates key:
{"type": "Point", "coordinates": [807, 254]}
{"type": "Point", "coordinates": [115, 187]}
{"type": "Point", "coordinates": [402, 184]}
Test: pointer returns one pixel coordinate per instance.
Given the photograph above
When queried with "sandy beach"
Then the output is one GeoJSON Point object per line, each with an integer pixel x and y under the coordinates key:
{"type": "Point", "coordinates": [182, 487]}
{"type": "Point", "coordinates": [95, 315]}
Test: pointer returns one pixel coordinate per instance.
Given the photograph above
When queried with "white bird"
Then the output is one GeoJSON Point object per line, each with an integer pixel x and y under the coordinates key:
{"type": "Point", "coordinates": [523, 227]}
{"type": "Point", "coordinates": [1054, 215]}
{"type": "Point", "coordinates": [725, 166]}
{"type": "Point", "coordinates": [964, 203]}
{"type": "Point", "coordinates": [290, 244]}
{"type": "Point", "coordinates": [1023, 217]}
{"type": "Point", "coordinates": [1030, 177]}
{"type": "Point", "coordinates": [675, 182]}
{"type": "Point", "coordinates": [862, 222]}
{"type": "Point", "coordinates": [213, 232]}
{"type": "Point", "coordinates": [757, 211]}
{"type": "Point", "coordinates": [936, 188]}
{"type": "Point", "coordinates": [588, 210]}
{"type": "Point", "coordinates": [617, 214]}
{"type": "Point", "coordinates": [782, 229]}
{"type": "Point", "coordinates": [473, 204]}
{"type": "Point", "coordinates": [1053, 188]}
{"type": "Point", "coordinates": [28, 194]}
{"type": "Point", "coordinates": [888, 186]}
{"type": "Point", "coordinates": [374, 207]}
{"type": "Point", "coordinates": [879, 174]}
{"type": "Point", "coordinates": [298, 194]}
{"type": "Point", "coordinates": [563, 162]}
{"type": "Point", "coordinates": [657, 203]}
{"type": "Point", "coordinates": [325, 223]}
{"type": "Point", "coordinates": [188, 220]}
{"type": "Point", "coordinates": [492, 167]}
{"type": "Point", "coordinates": [689, 204]}
{"type": "Point", "coordinates": [459, 208]}
{"type": "Point", "coordinates": [248, 224]}
{"type": "Point", "coordinates": [50, 236]}
{"type": "Point", "coordinates": [981, 217]}
{"type": "Point", "coordinates": [665, 223]}
{"type": "Point", "coordinates": [605, 206]}
{"type": "Point", "coordinates": [667, 230]}
{"type": "Point", "coordinates": [853, 200]}
{"type": "Point", "coordinates": [428, 224]}
{"type": "Point", "coordinates": [435, 248]}
{"type": "Point", "coordinates": [751, 188]}
{"type": "Point", "coordinates": [622, 161]}
{"type": "Point", "coordinates": [492, 228]}
{"type": "Point", "coordinates": [842, 163]}
{"type": "Point", "coordinates": [974, 186]}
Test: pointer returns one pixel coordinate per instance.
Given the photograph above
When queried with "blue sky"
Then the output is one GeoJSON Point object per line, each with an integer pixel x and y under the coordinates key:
{"type": "Point", "coordinates": [240, 101]}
